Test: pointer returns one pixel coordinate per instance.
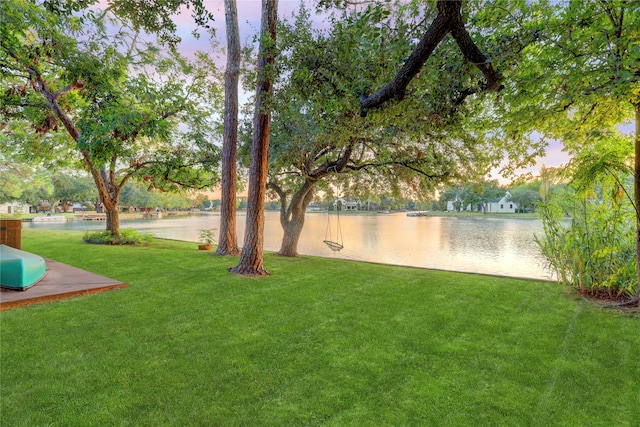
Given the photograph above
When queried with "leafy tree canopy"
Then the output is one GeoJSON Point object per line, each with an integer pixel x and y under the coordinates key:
{"type": "Point", "coordinates": [430, 137]}
{"type": "Point", "coordinates": [23, 182]}
{"type": "Point", "coordinates": [74, 91]}
{"type": "Point", "coordinates": [578, 76]}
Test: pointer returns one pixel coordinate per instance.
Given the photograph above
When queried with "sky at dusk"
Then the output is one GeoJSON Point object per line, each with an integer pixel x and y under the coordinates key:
{"type": "Point", "coordinates": [249, 12]}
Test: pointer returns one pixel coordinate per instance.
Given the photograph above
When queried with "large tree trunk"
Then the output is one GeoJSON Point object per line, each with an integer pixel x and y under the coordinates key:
{"type": "Point", "coordinates": [636, 184]}
{"type": "Point", "coordinates": [109, 199]}
{"type": "Point", "coordinates": [292, 219]}
{"type": "Point", "coordinates": [113, 218]}
{"type": "Point", "coordinates": [228, 240]}
{"type": "Point", "coordinates": [109, 194]}
{"type": "Point", "coordinates": [292, 231]}
{"type": "Point", "coordinates": [251, 259]}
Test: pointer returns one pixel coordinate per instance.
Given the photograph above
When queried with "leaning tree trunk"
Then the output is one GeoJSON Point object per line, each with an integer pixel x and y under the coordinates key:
{"type": "Point", "coordinates": [251, 259]}
{"type": "Point", "coordinates": [228, 240]}
{"type": "Point", "coordinates": [109, 199]}
{"type": "Point", "coordinates": [292, 231]}
{"type": "Point", "coordinates": [292, 216]}
{"type": "Point", "coordinates": [292, 219]}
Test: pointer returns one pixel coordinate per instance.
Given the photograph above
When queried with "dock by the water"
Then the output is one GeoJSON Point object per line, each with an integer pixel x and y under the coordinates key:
{"type": "Point", "coordinates": [92, 217]}
{"type": "Point", "coordinates": [418, 213]}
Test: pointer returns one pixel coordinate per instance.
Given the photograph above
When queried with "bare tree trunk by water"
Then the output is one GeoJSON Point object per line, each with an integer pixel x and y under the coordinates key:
{"type": "Point", "coordinates": [109, 195]}
{"type": "Point", "coordinates": [228, 239]}
{"type": "Point", "coordinates": [251, 259]}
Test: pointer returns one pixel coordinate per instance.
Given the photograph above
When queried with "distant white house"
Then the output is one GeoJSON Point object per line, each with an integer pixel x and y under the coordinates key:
{"type": "Point", "coordinates": [314, 207]}
{"type": "Point", "coordinates": [502, 205]}
{"type": "Point", "coordinates": [347, 205]}
{"type": "Point", "coordinates": [499, 205]}
{"type": "Point", "coordinates": [451, 204]}
{"type": "Point", "coordinates": [15, 208]}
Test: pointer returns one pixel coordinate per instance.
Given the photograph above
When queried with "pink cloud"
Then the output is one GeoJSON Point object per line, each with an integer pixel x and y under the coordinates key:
{"type": "Point", "coordinates": [249, 15]}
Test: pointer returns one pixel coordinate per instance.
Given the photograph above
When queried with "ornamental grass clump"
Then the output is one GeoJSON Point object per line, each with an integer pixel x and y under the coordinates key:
{"type": "Point", "coordinates": [589, 240]}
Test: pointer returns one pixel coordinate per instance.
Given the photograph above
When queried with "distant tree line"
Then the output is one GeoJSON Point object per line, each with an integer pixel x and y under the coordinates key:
{"type": "Point", "coordinates": [31, 185]}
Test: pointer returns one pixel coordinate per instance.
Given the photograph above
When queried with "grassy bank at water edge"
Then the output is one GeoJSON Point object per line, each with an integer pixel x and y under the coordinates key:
{"type": "Point", "coordinates": [319, 342]}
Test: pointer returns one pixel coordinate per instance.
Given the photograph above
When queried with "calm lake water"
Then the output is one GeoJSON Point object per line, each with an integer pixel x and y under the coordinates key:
{"type": "Point", "coordinates": [502, 246]}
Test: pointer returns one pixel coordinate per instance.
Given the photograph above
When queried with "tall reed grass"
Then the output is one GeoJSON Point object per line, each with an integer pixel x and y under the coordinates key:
{"type": "Point", "coordinates": [589, 240]}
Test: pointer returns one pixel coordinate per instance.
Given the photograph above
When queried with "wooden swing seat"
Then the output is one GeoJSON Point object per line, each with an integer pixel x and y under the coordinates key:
{"type": "Point", "coordinates": [334, 246]}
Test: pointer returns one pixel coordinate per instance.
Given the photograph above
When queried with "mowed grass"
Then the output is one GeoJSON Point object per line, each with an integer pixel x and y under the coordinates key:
{"type": "Point", "coordinates": [319, 342]}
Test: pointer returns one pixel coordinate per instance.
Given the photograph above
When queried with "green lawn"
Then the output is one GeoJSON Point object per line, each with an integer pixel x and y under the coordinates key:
{"type": "Point", "coordinates": [319, 342]}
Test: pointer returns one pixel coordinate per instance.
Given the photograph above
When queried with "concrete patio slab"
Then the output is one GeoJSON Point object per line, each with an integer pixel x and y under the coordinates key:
{"type": "Point", "coordinates": [61, 281]}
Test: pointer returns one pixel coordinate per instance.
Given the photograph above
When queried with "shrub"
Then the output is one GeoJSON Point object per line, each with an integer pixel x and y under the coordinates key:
{"type": "Point", "coordinates": [127, 236]}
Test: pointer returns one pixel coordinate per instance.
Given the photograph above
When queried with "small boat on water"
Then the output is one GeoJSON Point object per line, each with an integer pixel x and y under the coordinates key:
{"type": "Point", "coordinates": [49, 218]}
{"type": "Point", "coordinates": [20, 270]}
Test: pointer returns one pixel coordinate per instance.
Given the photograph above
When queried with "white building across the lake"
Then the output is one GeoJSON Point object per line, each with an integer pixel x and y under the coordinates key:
{"type": "Point", "coordinates": [502, 205]}
{"type": "Point", "coordinates": [15, 208]}
{"type": "Point", "coordinates": [347, 205]}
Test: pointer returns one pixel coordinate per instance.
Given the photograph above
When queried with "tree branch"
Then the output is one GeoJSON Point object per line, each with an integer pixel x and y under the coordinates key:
{"type": "Point", "coordinates": [460, 99]}
{"type": "Point", "coordinates": [43, 88]}
{"type": "Point", "coordinates": [448, 20]}
{"type": "Point", "coordinates": [23, 103]}
{"type": "Point", "coordinates": [284, 209]}
{"type": "Point", "coordinates": [397, 87]}
{"type": "Point", "coordinates": [472, 54]}
{"type": "Point", "coordinates": [275, 187]}
{"type": "Point", "coordinates": [407, 165]}
{"type": "Point", "coordinates": [72, 86]}
{"type": "Point", "coordinates": [336, 166]}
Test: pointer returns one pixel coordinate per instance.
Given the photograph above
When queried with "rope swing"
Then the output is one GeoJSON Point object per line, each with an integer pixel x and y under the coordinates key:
{"type": "Point", "coordinates": [337, 244]}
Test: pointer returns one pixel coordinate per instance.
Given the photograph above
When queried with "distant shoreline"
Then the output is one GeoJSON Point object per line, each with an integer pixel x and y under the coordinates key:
{"type": "Point", "coordinates": [139, 215]}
